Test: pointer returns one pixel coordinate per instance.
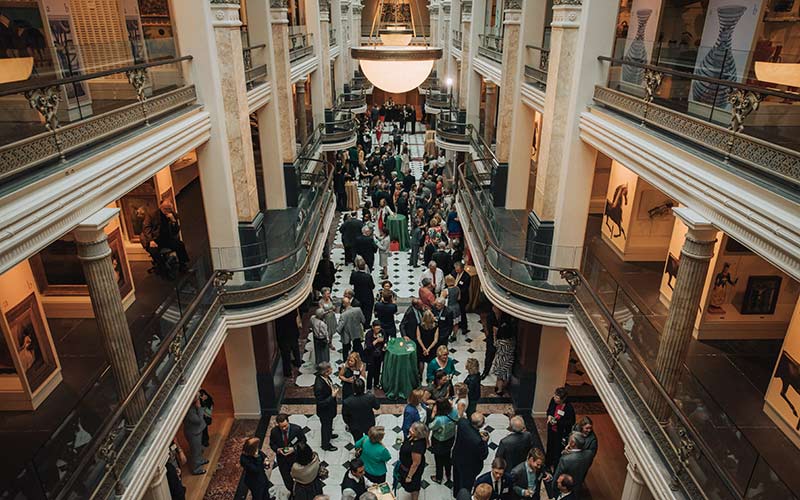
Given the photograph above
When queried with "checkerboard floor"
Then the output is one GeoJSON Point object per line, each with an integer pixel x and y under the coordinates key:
{"type": "Point", "coordinates": [405, 280]}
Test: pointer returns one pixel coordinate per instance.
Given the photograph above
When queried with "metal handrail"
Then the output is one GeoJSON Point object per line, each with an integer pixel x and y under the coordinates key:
{"type": "Point", "coordinates": [38, 83]}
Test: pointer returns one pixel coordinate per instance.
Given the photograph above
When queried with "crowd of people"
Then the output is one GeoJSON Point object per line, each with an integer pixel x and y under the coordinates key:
{"type": "Point", "coordinates": [440, 415]}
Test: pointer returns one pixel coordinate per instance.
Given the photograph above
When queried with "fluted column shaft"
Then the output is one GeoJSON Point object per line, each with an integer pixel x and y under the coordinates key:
{"type": "Point", "coordinates": [281, 79]}
{"type": "Point", "coordinates": [95, 256]}
{"type": "Point", "coordinates": [300, 95]}
{"type": "Point", "coordinates": [490, 112]}
{"type": "Point", "coordinates": [325, 52]}
{"type": "Point", "coordinates": [509, 86]}
{"type": "Point", "coordinates": [466, 57]}
{"type": "Point", "coordinates": [698, 248]}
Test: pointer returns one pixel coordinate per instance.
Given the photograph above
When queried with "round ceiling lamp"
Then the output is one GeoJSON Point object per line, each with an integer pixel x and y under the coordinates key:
{"type": "Point", "coordinates": [396, 69]}
{"type": "Point", "coordinates": [395, 65]}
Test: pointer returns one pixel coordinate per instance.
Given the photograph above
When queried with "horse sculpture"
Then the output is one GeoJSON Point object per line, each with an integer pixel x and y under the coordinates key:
{"type": "Point", "coordinates": [613, 211]}
{"type": "Point", "coordinates": [788, 372]}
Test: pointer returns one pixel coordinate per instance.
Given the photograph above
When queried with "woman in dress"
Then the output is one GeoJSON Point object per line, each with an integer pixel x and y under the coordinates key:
{"type": "Point", "coordinates": [352, 369]}
{"type": "Point", "coordinates": [412, 462]}
{"type": "Point", "coordinates": [440, 388]}
{"type": "Point", "coordinates": [382, 214]}
{"type": "Point", "coordinates": [505, 342]}
{"type": "Point", "coordinates": [385, 310]}
{"type": "Point", "coordinates": [461, 399]}
{"type": "Point", "coordinates": [560, 419]}
{"type": "Point", "coordinates": [443, 435]}
{"type": "Point", "coordinates": [415, 410]}
{"type": "Point", "coordinates": [442, 361]}
{"type": "Point", "coordinates": [452, 294]}
{"type": "Point", "coordinates": [473, 383]}
{"type": "Point", "coordinates": [379, 131]}
{"type": "Point", "coordinates": [719, 292]}
{"type": "Point", "coordinates": [374, 347]}
{"type": "Point", "coordinates": [427, 339]}
{"type": "Point", "coordinates": [319, 330]}
{"type": "Point", "coordinates": [252, 461]}
{"type": "Point", "coordinates": [329, 306]}
{"type": "Point", "coordinates": [383, 249]}
{"type": "Point", "coordinates": [305, 473]}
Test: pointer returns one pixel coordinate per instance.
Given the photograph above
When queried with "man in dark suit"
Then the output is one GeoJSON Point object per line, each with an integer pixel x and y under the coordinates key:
{"type": "Point", "coordinates": [443, 259]}
{"type": "Point", "coordinates": [514, 448]}
{"type": "Point", "coordinates": [288, 331]}
{"type": "Point", "coordinates": [160, 230]}
{"type": "Point", "coordinates": [357, 410]}
{"type": "Point", "coordinates": [482, 492]}
{"type": "Point", "coordinates": [411, 319]}
{"type": "Point", "coordinates": [444, 319]}
{"type": "Point", "coordinates": [325, 394]}
{"type": "Point", "coordinates": [363, 288]}
{"type": "Point", "coordinates": [354, 478]}
{"type": "Point", "coordinates": [469, 451]}
{"type": "Point", "coordinates": [366, 247]}
{"type": "Point", "coordinates": [528, 476]}
{"type": "Point", "coordinates": [497, 478]}
{"type": "Point", "coordinates": [574, 462]}
{"type": "Point", "coordinates": [462, 282]}
{"type": "Point", "coordinates": [351, 230]}
{"type": "Point", "coordinates": [282, 441]}
{"type": "Point", "coordinates": [564, 488]}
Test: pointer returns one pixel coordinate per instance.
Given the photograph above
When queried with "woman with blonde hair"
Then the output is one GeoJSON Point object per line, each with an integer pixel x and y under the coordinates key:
{"type": "Point", "coordinates": [473, 383]}
{"type": "Point", "coordinates": [412, 461]}
{"type": "Point", "coordinates": [415, 410]}
{"type": "Point", "coordinates": [352, 369]}
{"type": "Point", "coordinates": [374, 454]}
{"type": "Point", "coordinates": [427, 338]}
{"type": "Point", "coordinates": [442, 361]}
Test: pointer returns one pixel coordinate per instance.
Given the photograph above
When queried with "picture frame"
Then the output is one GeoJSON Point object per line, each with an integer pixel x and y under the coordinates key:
{"type": "Point", "coordinates": [119, 262]}
{"type": "Point", "coordinates": [31, 341]}
{"type": "Point", "coordinates": [761, 295]}
{"type": "Point", "coordinates": [733, 247]}
{"type": "Point", "coordinates": [134, 206]}
{"type": "Point", "coordinates": [58, 271]}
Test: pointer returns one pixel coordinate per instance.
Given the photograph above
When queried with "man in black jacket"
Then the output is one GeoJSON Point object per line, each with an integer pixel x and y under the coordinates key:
{"type": "Point", "coordinates": [443, 259]}
{"type": "Point", "coordinates": [411, 319]}
{"type": "Point", "coordinates": [354, 479]}
{"type": "Point", "coordinates": [350, 229]}
{"type": "Point", "coordinates": [363, 289]}
{"type": "Point", "coordinates": [325, 393]}
{"type": "Point", "coordinates": [288, 331]}
{"type": "Point", "coordinates": [366, 247]}
{"type": "Point", "coordinates": [528, 476]}
{"type": "Point", "coordinates": [161, 230]}
{"type": "Point", "coordinates": [514, 448]}
{"type": "Point", "coordinates": [469, 451]}
{"type": "Point", "coordinates": [462, 282]}
{"type": "Point", "coordinates": [282, 441]}
{"type": "Point", "coordinates": [357, 410]}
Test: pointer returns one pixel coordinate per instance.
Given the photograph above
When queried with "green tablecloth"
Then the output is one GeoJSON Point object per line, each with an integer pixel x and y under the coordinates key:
{"type": "Point", "coordinates": [400, 370]}
{"type": "Point", "coordinates": [398, 230]}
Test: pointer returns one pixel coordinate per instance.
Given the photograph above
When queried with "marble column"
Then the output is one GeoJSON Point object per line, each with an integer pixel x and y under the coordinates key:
{"type": "Point", "coordinates": [510, 80]}
{"type": "Point", "coordinates": [444, 36]}
{"type": "Point", "coordinates": [159, 486]}
{"type": "Point", "coordinates": [490, 112]}
{"type": "Point", "coordinates": [344, 48]}
{"type": "Point", "coordinates": [356, 8]}
{"type": "Point", "coordinates": [551, 367]}
{"type": "Point", "coordinates": [697, 251]}
{"type": "Point", "coordinates": [634, 487]}
{"type": "Point", "coordinates": [466, 57]}
{"type": "Point", "coordinates": [281, 78]}
{"type": "Point", "coordinates": [325, 52]}
{"type": "Point", "coordinates": [233, 92]}
{"type": "Point", "coordinates": [300, 102]}
{"type": "Point", "coordinates": [109, 313]}
{"type": "Point", "coordinates": [242, 373]}
{"type": "Point", "coordinates": [347, 38]}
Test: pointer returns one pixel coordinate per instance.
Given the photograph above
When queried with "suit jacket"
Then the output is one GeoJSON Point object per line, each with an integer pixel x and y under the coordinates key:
{"type": "Point", "coordinates": [506, 485]}
{"type": "Point", "coordinates": [444, 261]}
{"type": "Point", "coordinates": [514, 448]}
{"type": "Point", "coordinates": [350, 229]}
{"type": "Point", "coordinates": [366, 247]}
{"type": "Point", "coordinates": [469, 449]}
{"type": "Point", "coordinates": [464, 494]}
{"type": "Point", "coordinates": [519, 475]}
{"type": "Point", "coordinates": [193, 422]}
{"type": "Point", "coordinates": [410, 321]}
{"type": "Point", "coordinates": [363, 285]}
{"type": "Point", "coordinates": [157, 227]}
{"type": "Point", "coordinates": [357, 412]}
{"type": "Point", "coordinates": [463, 285]}
{"type": "Point", "coordinates": [351, 325]}
{"type": "Point", "coordinates": [576, 464]}
{"type": "Point", "coordinates": [296, 435]}
{"type": "Point", "coordinates": [326, 402]}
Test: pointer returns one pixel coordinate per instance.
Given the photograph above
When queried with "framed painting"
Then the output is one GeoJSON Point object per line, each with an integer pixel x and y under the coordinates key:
{"type": "Point", "coordinates": [761, 295]}
{"type": "Point", "coordinates": [134, 206]}
{"type": "Point", "coordinates": [31, 342]}
{"type": "Point", "coordinates": [733, 247]}
{"type": "Point", "coordinates": [57, 269]}
{"type": "Point", "coordinates": [119, 262]}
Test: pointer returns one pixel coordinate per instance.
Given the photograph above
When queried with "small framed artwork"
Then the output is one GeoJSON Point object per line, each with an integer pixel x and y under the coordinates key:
{"type": "Point", "coordinates": [671, 269]}
{"type": "Point", "coordinates": [57, 269]}
{"type": "Point", "coordinates": [31, 342]}
{"type": "Point", "coordinates": [119, 262]}
{"type": "Point", "coordinates": [761, 295]}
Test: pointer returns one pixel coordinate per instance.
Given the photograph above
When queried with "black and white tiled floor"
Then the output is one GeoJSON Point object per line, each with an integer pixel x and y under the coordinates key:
{"type": "Point", "coordinates": [405, 281]}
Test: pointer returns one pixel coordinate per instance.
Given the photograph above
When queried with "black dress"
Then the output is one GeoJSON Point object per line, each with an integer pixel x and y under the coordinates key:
{"type": "Point", "coordinates": [255, 478]}
{"type": "Point", "coordinates": [427, 337]}
{"type": "Point", "coordinates": [347, 387]}
{"type": "Point", "coordinates": [409, 447]}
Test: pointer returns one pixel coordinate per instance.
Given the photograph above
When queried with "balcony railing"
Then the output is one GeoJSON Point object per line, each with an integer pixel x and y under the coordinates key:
{"type": "Point", "coordinates": [254, 75]}
{"type": "Point", "coordinates": [430, 83]}
{"type": "Point", "coordinates": [491, 46]}
{"type": "Point", "coordinates": [538, 60]}
{"type": "Point", "coordinates": [730, 469]}
{"type": "Point", "coordinates": [341, 128]}
{"type": "Point", "coordinates": [351, 100]}
{"type": "Point", "coordinates": [332, 37]}
{"type": "Point", "coordinates": [439, 99]}
{"type": "Point", "coordinates": [452, 127]}
{"type": "Point", "coordinates": [48, 119]}
{"type": "Point", "coordinates": [97, 468]}
{"type": "Point", "coordinates": [742, 123]}
{"type": "Point", "coordinates": [300, 46]}
{"type": "Point", "coordinates": [457, 39]}
{"type": "Point", "coordinates": [361, 84]}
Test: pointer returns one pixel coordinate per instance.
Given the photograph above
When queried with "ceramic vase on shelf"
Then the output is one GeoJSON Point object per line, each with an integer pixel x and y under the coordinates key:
{"type": "Point", "coordinates": [719, 62]}
{"type": "Point", "coordinates": [637, 52]}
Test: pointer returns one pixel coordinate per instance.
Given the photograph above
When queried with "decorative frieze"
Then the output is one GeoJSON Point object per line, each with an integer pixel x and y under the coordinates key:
{"type": "Point", "coordinates": [225, 14]}
{"type": "Point", "coordinates": [566, 15]}
{"type": "Point", "coordinates": [278, 4]}
{"type": "Point", "coordinates": [512, 4]}
{"type": "Point", "coordinates": [466, 12]}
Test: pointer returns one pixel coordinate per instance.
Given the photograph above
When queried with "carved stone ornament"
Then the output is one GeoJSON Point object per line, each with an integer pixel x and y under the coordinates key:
{"type": "Point", "coordinates": [278, 4]}
{"type": "Point", "coordinates": [652, 80]}
{"type": "Point", "coordinates": [743, 102]}
{"type": "Point", "coordinates": [226, 14]}
{"type": "Point", "coordinates": [324, 6]}
{"type": "Point", "coordinates": [466, 8]}
{"type": "Point", "coordinates": [566, 15]}
{"type": "Point", "coordinates": [45, 100]}
{"type": "Point", "coordinates": [512, 4]}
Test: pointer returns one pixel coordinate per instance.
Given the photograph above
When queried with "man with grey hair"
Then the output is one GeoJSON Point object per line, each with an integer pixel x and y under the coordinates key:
{"type": "Point", "coordinates": [366, 247]}
{"type": "Point", "coordinates": [427, 297]}
{"type": "Point", "coordinates": [350, 328]}
{"type": "Point", "coordinates": [436, 276]}
{"type": "Point", "coordinates": [444, 319]}
{"type": "Point", "coordinates": [575, 461]}
{"type": "Point", "coordinates": [443, 258]}
{"type": "Point", "coordinates": [368, 495]}
{"type": "Point", "coordinates": [469, 451]}
{"type": "Point", "coordinates": [514, 448]}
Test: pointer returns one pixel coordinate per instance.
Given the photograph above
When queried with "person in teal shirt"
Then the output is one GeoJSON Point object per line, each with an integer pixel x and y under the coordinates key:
{"type": "Point", "coordinates": [374, 454]}
{"type": "Point", "coordinates": [442, 361]}
{"type": "Point", "coordinates": [443, 435]}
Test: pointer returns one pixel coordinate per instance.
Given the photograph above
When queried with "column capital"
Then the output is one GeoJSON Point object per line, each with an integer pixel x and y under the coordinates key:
{"type": "Point", "coordinates": [700, 229]}
{"type": "Point", "coordinates": [512, 16]}
{"type": "Point", "coordinates": [566, 14]}
{"type": "Point", "coordinates": [445, 5]}
{"type": "Point", "coordinates": [279, 15]}
{"type": "Point", "coordinates": [92, 229]}
{"type": "Point", "coordinates": [225, 14]}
